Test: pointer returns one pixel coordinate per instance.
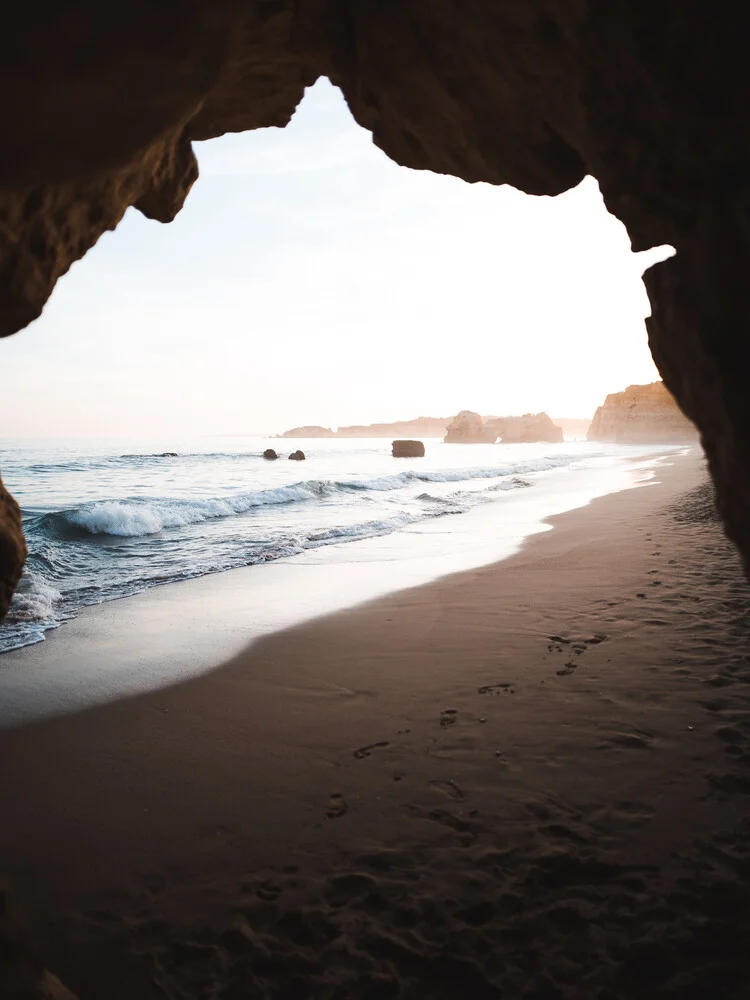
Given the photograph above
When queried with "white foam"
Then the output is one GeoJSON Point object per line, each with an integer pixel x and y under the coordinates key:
{"type": "Point", "coordinates": [34, 599]}
{"type": "Point", "coordinates": [368, 529]}
{"type": "Point", "coordinates": [134, 518]}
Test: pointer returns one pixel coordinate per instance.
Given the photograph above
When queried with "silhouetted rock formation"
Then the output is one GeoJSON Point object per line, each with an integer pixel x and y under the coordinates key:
{"type": "Point", "coordinates": [311, 431]}
{"type": "Point", "coordinates": [607, 89]}
{"type": "Point", "coordinates": [642, 414]}
{"type": "Point", "coordinates": [468, 428]}
{"type": "Point", "coordinates": [12, 548]}
{"type": "Point", "coordinates": [297, 456]}
{"type": "Point", "coordinates": [270, 454]}
{"type": "Point", "coordinates": [529, 428]}
{"type": "Point", "coordinates": [407, 449]}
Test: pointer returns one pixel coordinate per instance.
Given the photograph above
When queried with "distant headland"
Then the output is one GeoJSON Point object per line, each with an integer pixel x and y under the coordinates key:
{"type": "Point", "coordinates": [638, 414]}
{"type": "Point", "coordinates": [419, 427]}
{"type": "Point", "coordinates": [430, 427]}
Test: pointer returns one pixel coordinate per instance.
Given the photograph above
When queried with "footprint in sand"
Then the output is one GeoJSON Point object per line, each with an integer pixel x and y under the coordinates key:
{"type": "Point", "coordinates": [337, 807]}
{"type": "Point", "coordinates": [556, 643]}
{"type": "Point", "coordinates": [445, 818]}
{"type": "Point", "coordinates": [494, 688]}
{"type": "Point", "coordinates": [268, 891]}
{"type": "Point", "coordinates": [578, 645]}
{"type": "Point", "coordinates": [366, 751]}
{"type": "Point", "coordinates": [568, 668]}
{"type": "Point", "coordinates": [449, 788]}
{"type": "Point", "coordinates": [448, 717]}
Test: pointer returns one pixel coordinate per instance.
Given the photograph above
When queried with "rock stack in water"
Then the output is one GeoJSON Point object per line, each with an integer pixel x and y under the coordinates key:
{"type": "Point", "coordinates": [642, 414]}
{"type": "Point", "coordinates": [270, 454]}
{"type": "Point", "coordinates": [468, 427]}
{"type": "Point", "coordinates": [297, 456]}
{"type": "Point", "coordinates": [529, 428]}
{"type": "Point", "coordinates": [407, 449]}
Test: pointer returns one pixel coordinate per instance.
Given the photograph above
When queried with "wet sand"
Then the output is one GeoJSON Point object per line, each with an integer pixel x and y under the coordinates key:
{"type": "Point", "coordinates": [528, 780]}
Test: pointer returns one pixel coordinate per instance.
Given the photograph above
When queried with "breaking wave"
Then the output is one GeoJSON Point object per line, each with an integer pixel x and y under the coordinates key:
{"type": "Point", "coordinates": [138, 516]}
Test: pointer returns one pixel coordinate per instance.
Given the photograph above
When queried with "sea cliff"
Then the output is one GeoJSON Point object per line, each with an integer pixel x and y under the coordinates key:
{"type": "Point", "coordinates": [641, 414]}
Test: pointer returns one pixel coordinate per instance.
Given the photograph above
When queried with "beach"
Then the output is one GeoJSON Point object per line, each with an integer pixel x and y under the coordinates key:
{"type": "Point", "coordinates": [524, 780]}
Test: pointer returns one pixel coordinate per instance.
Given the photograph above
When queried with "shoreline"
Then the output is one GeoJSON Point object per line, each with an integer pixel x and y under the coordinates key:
{"type": "Point", "coordinates": [167, 624]}
{"type": "Point", "coordinates": [524, 780]}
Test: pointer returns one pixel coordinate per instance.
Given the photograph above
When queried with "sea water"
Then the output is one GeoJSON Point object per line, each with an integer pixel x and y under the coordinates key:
{"type": "Point", "coordinates": [110, 519]}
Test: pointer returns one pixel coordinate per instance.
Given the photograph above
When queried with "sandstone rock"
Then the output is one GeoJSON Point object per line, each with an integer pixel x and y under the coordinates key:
{"type": "Point", "coordinates": [297, 456]}
{"type": "Point", "coordinates": [407, 449]}
{"type": "Point", "coordinates": [529, 428]}
{"type": "Point", "coordinates": [469, 428]}
{"type": "Point", "coordinates": [12, 548]}
{"type": "Point", "coordinates": [270, 454]}
{"type": "Point", "coordinates": [642, 414]}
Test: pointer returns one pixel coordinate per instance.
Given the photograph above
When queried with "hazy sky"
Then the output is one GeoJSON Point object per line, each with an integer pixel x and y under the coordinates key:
{"type": "Point", "coordinates": [309, 279]}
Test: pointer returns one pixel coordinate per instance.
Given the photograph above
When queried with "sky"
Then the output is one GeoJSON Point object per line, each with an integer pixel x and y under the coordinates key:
{"type": "Point", "coordinates": [311, 280]}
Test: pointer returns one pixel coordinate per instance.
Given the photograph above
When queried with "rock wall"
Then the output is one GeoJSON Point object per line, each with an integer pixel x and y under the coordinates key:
{"type": "Point", "coordinates": [642, 414]}
{"type": "Point", "coordinates": [649, 98]}
{"type": "Point", "coordinates": [12, 548]}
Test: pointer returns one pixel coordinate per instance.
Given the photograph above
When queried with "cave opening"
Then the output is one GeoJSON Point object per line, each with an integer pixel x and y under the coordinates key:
{"type": "Point", "coordinates": [308, 280]}
{"type": "Point", "coordinates": [521, 779]}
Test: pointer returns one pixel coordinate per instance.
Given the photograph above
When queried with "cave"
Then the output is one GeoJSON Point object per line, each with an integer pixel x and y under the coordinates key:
{"type": "Point", "coordinates": [649, 99]}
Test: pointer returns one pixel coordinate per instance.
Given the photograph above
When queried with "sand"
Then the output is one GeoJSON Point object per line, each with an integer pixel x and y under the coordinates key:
{"type": "Point", "coordinates": [529, 780]}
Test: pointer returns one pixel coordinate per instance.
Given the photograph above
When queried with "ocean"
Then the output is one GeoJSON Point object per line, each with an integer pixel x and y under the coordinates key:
{"type": "Point", "coordinates": [110, 519]}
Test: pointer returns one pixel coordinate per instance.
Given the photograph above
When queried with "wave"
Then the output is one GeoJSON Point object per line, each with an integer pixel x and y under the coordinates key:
{"type": "Point", "coordinates": [138, 516]}
{"type": "Point", "coordinates": [458, 475]}
{"type": "Point", "coordinates": [369, 529]}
